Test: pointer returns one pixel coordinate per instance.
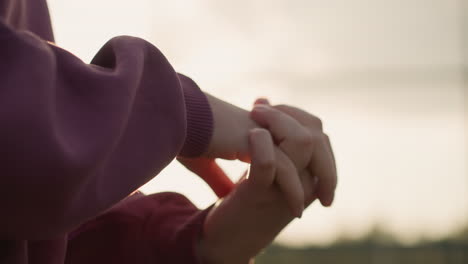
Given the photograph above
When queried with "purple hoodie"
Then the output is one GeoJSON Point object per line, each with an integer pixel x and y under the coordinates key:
{"type": "Point", "coordinates": [77, 138]}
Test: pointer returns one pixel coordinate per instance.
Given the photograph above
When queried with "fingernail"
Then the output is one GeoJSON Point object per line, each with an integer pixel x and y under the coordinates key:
{"type": "Point", "coordinates": [327, 202]}
{"type": "Point", "coordinates": [262, 101]}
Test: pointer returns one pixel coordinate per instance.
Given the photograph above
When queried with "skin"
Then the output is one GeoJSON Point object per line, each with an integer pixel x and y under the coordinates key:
{"type": "Point", "coordinates": [312, 151]}
{"type": "Point", "coordinates": [291, 165]}
{"type": "Point", "coordinates": [229, 141]}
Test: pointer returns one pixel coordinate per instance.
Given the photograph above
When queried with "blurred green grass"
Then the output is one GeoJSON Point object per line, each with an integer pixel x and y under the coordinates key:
{"type": "Point", "coordinates": [377, 247]}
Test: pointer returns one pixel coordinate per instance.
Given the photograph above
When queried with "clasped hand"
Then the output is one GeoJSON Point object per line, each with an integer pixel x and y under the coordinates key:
{"type": "Point", "coordinates": [292, 164]}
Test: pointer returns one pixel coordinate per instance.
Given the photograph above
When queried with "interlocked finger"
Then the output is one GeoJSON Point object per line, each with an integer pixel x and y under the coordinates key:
{"type": "Point", "coordinates": [309, 184]}
{"type": "Point", "coordinates": [270, 165]}
{"type": "Point", "coordinates": [322, 164]}
{"type": "Point", "coordinates": [292, 137]}
{"type": "Point", "coordinates": [327, 140]}
{"type": "Point", "coordinates": [289, 183]}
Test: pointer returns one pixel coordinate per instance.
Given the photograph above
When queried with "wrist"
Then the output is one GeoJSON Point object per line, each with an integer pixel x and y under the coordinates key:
{"type": "Point", "coordinates": [231, 125]}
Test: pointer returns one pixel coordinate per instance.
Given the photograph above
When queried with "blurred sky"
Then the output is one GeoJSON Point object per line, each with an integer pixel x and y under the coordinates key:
{"type": "Point", "coordinates": [386, 77]}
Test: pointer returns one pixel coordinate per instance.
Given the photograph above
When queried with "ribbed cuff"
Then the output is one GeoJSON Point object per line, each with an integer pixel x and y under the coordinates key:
{"type": "Point", "coordinates": [199, 119]}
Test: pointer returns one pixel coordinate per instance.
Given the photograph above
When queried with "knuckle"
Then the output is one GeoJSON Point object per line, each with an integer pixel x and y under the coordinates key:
{"type": "Point", "coordinates": [315, 139]}
{"type": "Point", "coordinates": [282, 106]}
{"type": "Point", "coordinates": [275, 115]}
{"type": "Point", "coordinates": [306, 140]}
{"type": "Point", "coordinates": [283, 163]}
{"type": "Point", "coordinates": [317, 123]}
{"type": "Point", "coordinates": [325, 140]}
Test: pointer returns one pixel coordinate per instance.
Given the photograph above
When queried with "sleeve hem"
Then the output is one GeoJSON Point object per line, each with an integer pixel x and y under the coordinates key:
{"type": "Point", "coordinates": [199, 119]}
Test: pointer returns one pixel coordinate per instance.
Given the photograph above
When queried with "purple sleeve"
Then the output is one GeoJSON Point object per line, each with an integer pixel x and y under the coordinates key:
{"type": "Point", "coordinates": [76, 138]}
{"type": "Point", "coordinates": [158, 228]}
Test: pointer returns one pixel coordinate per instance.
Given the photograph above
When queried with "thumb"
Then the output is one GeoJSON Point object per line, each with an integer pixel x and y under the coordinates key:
{"type": "Point", "coordinates": [211, 173]}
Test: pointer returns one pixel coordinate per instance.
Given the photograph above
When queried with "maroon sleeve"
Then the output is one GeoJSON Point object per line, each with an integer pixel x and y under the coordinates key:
{"type": "Point", "coordinates": [155, 229]}
{"type": "Point", "coordinates": [76, 138]}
